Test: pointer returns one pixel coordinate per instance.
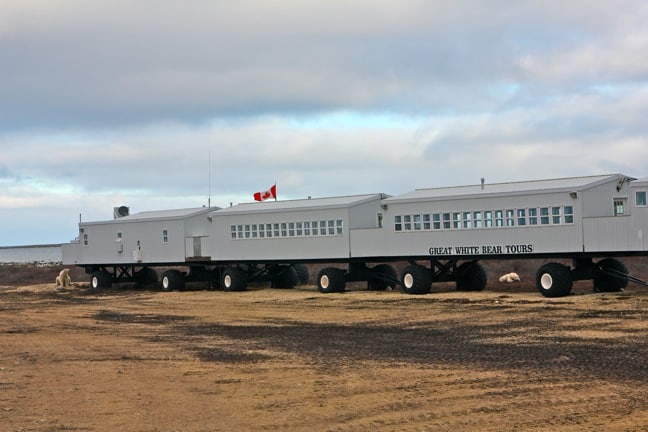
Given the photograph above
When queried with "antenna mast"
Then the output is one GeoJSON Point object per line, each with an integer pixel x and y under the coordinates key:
{"type": "Point", "coordinates": [209, 186]}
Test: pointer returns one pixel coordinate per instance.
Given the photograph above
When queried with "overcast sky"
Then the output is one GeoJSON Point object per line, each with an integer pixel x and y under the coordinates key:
{"type": "Point", "coordinates": [109, 103]}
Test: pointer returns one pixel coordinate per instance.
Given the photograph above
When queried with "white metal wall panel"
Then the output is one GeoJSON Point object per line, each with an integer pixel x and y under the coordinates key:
{"type": "Point", "coordinates": [222, 247]}
{"type": "Point", "coordinates": [492, 241]}
{"type": "Point", "coordinates": [610, 234]}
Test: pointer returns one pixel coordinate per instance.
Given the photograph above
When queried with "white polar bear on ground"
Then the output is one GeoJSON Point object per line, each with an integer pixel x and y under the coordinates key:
{"type": "Point", "coordinates": [63, 280]}
{"type": "Point", "coordinates": [510, 277]}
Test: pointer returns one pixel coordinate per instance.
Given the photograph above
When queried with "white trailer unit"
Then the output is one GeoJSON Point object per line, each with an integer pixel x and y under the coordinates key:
{"type": "Point", "coordinates": [127, 248]}
{"type": "Point", "coordinates": [581, 218]}
{"type": "Point", "coordinates": [269, 238]}
{"type": "Point", "coordinates": [578, 218]}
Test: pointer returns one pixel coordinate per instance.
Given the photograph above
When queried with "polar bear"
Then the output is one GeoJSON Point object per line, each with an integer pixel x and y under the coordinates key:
{"type": "Point", "coordinates": [63, 280]}
{"type": "Point", "coordinates": [510, 277]}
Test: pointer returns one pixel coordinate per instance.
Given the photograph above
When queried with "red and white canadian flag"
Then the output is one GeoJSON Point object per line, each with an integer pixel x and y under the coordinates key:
{"type": "Point", "coordinates": [270, 193]}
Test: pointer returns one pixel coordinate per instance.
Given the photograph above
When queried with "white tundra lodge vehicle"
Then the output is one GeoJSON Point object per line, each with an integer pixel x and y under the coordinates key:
{"type": "Point", "coordinates": [441, 232]}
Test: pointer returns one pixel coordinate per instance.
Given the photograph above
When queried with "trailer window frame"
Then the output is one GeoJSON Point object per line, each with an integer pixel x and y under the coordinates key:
{"type": "Point", "coordinates": [643, 201]}
{"type": "Point", "coordinates": [568, 214]}
{"type": "Point", "coordinates": [436, 221]}
{"type": "Point", "coordinates": [533, 216]}
{"type": "Point", "coordinates": [488, 219]}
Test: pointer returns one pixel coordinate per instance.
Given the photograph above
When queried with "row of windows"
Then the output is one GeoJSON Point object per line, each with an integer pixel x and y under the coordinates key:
{"type": "Point", "coordinates": [485, 219]}
{"type": "Point", "coordinates": [288, 229]}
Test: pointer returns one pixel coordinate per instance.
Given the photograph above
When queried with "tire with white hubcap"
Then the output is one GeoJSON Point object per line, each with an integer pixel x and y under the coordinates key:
{"type": "Point", "coordinates": [554, 280]}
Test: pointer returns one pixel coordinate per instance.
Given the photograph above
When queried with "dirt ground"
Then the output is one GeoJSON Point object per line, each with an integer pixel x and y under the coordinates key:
{"type": "Point", "coordinates": [298, 360]}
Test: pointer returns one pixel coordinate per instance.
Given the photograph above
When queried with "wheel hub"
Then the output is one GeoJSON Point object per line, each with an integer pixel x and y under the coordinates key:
{"type": "Point", "coordinates": [324, 281]}
{"type": "Point", "coordinates": [546, 281]}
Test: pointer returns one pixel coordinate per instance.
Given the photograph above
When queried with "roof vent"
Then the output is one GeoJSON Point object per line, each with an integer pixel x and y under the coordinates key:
{"type": "Point", "coordinates": [120, 212]}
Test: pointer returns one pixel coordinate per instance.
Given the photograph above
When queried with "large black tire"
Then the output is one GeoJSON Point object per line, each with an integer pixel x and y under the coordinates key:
{"type": "Point", "coordinates": [330, 280]}
{"type": "Point", "coordinates": [471, 276]}
{"type": "Point", "coordinates": [302, 274]}
{"type": "Point", "coordinates": [607, 282]}
{"type": "Point", "coordinates": [147, 277]}
{"type": "Point", "coordinates": [172, 280]}
{"type": "Point", "coordinates": [233, 279]}
{"type": "Point", "coordinates": [285, 277]}
{"type": "Point", "coordinates": [416, 279]}
{"type": "Point", "coordinates": [100, 279]}
{"type": "Point", "coordinates": [383, 276]}
{"type": "Point", "coordinates": [554, 280]}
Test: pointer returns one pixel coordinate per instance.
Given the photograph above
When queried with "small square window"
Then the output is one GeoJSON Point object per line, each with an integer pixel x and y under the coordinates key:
{"type": "Point", "coordinates": [641, 199]}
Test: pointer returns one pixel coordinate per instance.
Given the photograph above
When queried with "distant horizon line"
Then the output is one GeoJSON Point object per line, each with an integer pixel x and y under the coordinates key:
{"type": "Point", "coordinates": [31, 246]}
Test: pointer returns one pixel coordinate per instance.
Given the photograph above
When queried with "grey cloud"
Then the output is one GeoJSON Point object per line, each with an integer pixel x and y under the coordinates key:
{"type": "Point", "coordinates": [111, 63]}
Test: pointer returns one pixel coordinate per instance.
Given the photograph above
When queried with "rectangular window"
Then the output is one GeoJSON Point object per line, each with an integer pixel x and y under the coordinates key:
{"type": "Point", "coordinates": [619, 207]}
{"type": "Point", "coordinates": [165, 236]}
{"type": "Point", "coordinates": [247, 231]}
{"type": "Point", "coordinates": [291, 229]}
{"type": "Point", "coordinates": [467, 220]}
{"type": "Point", "coordinates": [477, 218]}
{"type": "Point", "coordinates": [269, 230]}
{"type": "Point", "coordinates": [417, 222]}
{"type": "Point", "coordinates": [569, 214]}
{"type": "Point", "coordinates": [276, 230]}
{"type": "Point", "coordinates": [533, 216]}
{"type": "Point", "coordinates": [331, 227]}
{"type": "Point", "coordinates": [544, 215]}
{"type": "Point", "coordinates": [284, 229]}
{"type": "Point", "coordinates": [407, 219]}
{"type": "Point", "coordinates": [521, 217]}
{"type": "Point", "coordinates": [456, 220]}
{"type": "Point", "coordinates": [85, 239]}
{"type": "Point", "coordinates": [240, 231]}
{"type": "Point", "coordinates": [307, 230]}
{"type": "Point", "coordinates": [426, 222]}
{"type": "Point", "coordinates": [322, 228]}
{"type": "Point", "coordinates": [254, 231]}
{"type": "Point", "coordinates": [233, 227]}
{"type": "Point", "coordinates": [510, 219]}
{"type": "Point", "coordinates": [339, 227]}
{"type": "Point", "coordinates": [299, 229]}
{"type": "Point", "coordinates": [436, 221]}
{"type": "Point", "coordinates": [488, 219]}
{"type": "Point", "coordinates": [398, 223]}
{"type": "Point", "coordinates": [556, 215]}
{"type": "Point", "coordinates": [446, 220]}
{"type": "Point", "coordinates": [640, 199]}
{"type": "Point", "coordinates": [499, 218]}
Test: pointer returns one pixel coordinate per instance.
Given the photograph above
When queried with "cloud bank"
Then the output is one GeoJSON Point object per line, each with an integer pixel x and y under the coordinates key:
{"type": "Point", "coordinates": [166, 104]}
